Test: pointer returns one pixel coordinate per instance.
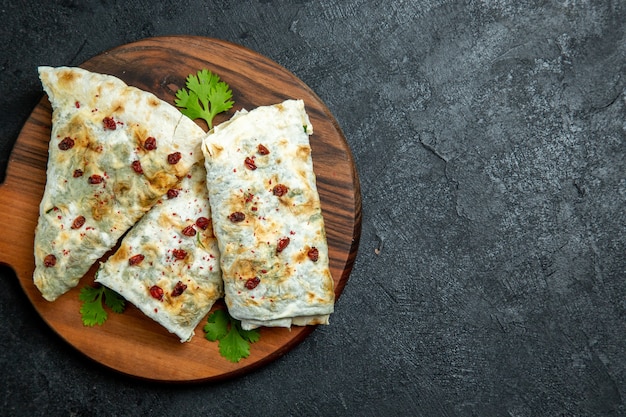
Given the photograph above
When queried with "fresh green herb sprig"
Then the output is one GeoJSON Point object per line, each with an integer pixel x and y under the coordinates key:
{"type": "Point", "coordinates": [206, 95]}
{"type": "Point", "coordinates": [234, 342]}
{"type": "Point", "coordinates": [92, 311]}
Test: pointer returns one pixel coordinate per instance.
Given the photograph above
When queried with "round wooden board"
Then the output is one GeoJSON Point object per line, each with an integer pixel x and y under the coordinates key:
{"type": "Point", "coordinates": [130, 342]}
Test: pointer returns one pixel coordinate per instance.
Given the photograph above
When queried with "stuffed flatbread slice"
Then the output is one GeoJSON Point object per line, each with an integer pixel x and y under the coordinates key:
{"type": "Point", "coordinates": [168, 263]}
{"type": "Point", "coordinates": [114, 151]}
{"type": "Point", "coordinates": [267, 218]}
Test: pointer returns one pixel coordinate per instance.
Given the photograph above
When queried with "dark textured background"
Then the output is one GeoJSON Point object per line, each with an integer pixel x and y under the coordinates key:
{"type": "Point", "coordinates": [490, 139]}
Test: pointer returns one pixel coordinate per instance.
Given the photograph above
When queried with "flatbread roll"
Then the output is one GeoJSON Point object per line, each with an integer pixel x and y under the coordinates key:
{"type": "Point", "coordinates": [267, 218]}
{"type": "Point", "coordinates": [168, 263]}
{"type": "Point", "coordinates": [114, 151]}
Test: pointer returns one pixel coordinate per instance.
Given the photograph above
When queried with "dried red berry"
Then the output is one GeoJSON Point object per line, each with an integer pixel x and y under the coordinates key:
{"type": "Point", "coordinates": [66, 143]}
{"type": "Point", "coordinates": [172, 193]}
{"type": "Point", "coordinates": [109, 123]}
{"type": "Point", "coordinates": [249, 163]}
{"type": "Point", "coordinates": [95, 179]}
{"type": "Point", "coordinates": [251, 283]}
{"type": "Point", "coordinates": [283, 242]}
{"type": "Point", "coordinates": [135, 259]}
{"type": "Point", "coordinates": [203, 223]}
{"type": "Point", "coordinates": [262, 150]}
{"type": "Point", "coordinates": [78, 173]}
{"type": "Point", "coordinates": [173, 158]}
{"type": "Point", "coordinates": [136, 165]}
{"type": "Point", "coordinates": [189, 231]}
{"type": "Point", "coordinates": [179, 288]}
{"type": "Point", "coordinates": [280, 190]}
{"type": "Point", "coordinates": [78, 222]}
{"type": "Point", "coordinates": [156, 292]}
{"type": "Point", "coordinates": [49, 261]}
{"type": "Point", "coordinates": [179, 254]}
{"type": "Point", "coordinates": [150, 144]}
{"type": "Point", "coordinates": [237, 217]}
{"type": "Point", "coordinates": [313, 254]}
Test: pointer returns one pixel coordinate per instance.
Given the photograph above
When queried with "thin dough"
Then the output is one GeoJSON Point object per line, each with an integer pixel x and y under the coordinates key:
{"type": "Point", "coordinates": [168, 263]}
{"type": "Point", "coordinates": [267, 218]}
{"type": "Point", "coordinates": [101, 175]}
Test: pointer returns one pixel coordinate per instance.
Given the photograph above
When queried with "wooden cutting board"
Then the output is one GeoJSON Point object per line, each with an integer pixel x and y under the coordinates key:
{"type": "Point", "coordinates": [130, 342]}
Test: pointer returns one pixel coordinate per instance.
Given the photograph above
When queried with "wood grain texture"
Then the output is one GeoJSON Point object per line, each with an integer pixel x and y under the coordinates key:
{"type": "Point", "coordinates": [130, 342]}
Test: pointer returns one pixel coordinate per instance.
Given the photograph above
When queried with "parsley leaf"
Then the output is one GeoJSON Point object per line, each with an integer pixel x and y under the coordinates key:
{"type": "Point", "coordinates": [234, 342]}
{"type": "Point", "coordinates": [92, 311]}
{"type": "Point", "coordinates": [206, 96]}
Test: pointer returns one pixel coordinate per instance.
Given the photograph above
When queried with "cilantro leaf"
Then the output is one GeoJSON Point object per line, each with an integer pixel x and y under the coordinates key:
{"type": "Point", "coordinates": [249, 335]}
{"type": "Point", "coordinates": [206, 95]}
{"type": "Point", "coordinates": [92, 311]}
{"type": "Point", "coordinates": [217, 325]}
{"type": "Point", "coordinates": [114, 301]}
{"type": "Point", "coordinates": [234, 347]}
{"type": "Point", "coordinates": [234, 342]}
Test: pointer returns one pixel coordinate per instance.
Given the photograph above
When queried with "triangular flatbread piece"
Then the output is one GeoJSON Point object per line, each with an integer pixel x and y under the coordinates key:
{"type": "Point", "coordinates": [168, 263]}
{"type": "Point", "coordinates": [114, 151]}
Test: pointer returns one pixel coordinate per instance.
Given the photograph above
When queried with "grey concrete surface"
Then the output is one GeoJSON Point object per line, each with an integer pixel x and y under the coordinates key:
{"type": "Point", "coordinates": [490, 141]}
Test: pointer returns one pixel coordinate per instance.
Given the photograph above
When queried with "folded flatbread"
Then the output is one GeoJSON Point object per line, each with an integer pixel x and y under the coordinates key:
{"type": "Point", "coordinates": [114, 151]}
{"type": "Point", "coordinates": [267, 218]}
{"type": "Point", "coordinates": [168, 263]}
